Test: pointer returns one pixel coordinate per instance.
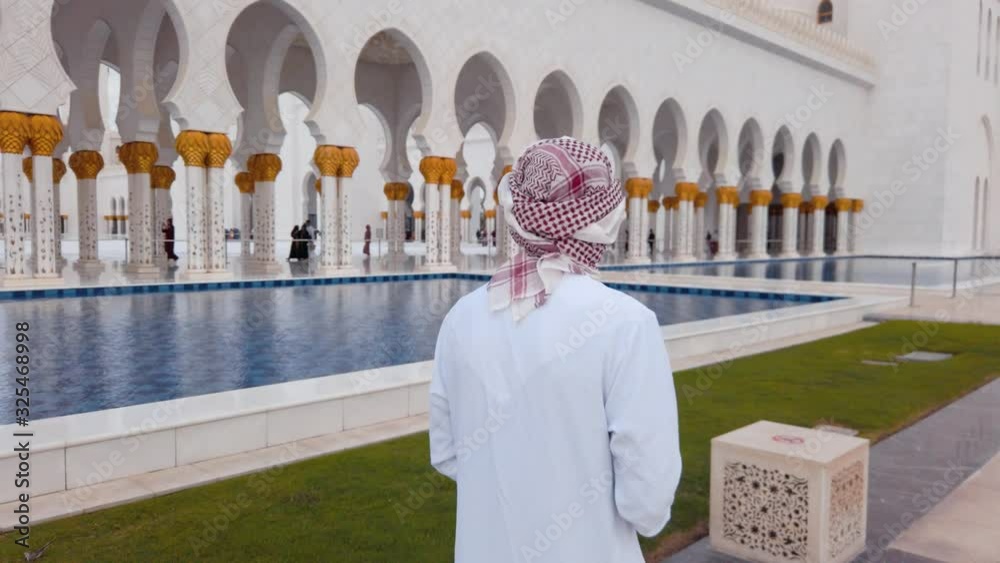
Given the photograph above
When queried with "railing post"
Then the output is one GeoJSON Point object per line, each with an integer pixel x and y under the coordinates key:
{"type": "Point", "coordinates": [954, 281]}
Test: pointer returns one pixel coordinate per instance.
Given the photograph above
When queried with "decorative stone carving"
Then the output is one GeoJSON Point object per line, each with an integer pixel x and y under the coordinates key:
{"type": "Point", "coordinates": [784, 493]}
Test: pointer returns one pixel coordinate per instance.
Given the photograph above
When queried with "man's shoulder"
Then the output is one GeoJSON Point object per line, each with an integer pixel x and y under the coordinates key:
{"type": "Point", "coordinates": [595, 293]}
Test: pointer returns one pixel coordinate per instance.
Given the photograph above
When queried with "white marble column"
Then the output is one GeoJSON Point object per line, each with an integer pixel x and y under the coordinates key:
{"type": "Point", "coordinates": [457, 193]}
{"type": "Point", "coordinates": [491, 221]}
{"type": "Point", "coordinates": [818, 225]}
{"type": "Point", "coordinates": [328, 160]}
{"type": "Point", "coordinates": [219, 149]}
{"type": "Point", "coordinates": [244, 183]}
{"type": "Point", "coordinates": [14, 133]}
{"type": "Point", "coordinates": [805, 228]}
{"type": "Point", "coordinates": [46, 133]}
{"type": "Point", "coordinates": [683, 231]}
{"type": "Point", "coordinates": [395, 222]}
{"type": "Point", "coordinates": [419, 210]}
{"type": "Point", "coordinates": [58, 171]}
{"type": "Point", "coordinates": [790, 204]}
{"type": "Point", "coordinates": [698, 239]}
{"type": "Point", "coordinates": [670, 204]}
{"type": "Point", "coordinates": [444, 216]}
{"type": "Point", "coordinates": [330, 215]}
{"type": "Point", "coordinates": [660, 227]}
{"type": "Point", "coordinates": [465, 216]}
{"type": "Point", "coordinates": [728, 198]}
{"type": "Point", "coordinates": [345, 178]}
{"type": "Point", "coordinates": [638, 190]}
{"type": "Point", "coordinates": [857, 206]}
{"type": "Point", "coordinates": [193, 147]}
{"type": "Point", "coordinates": [139, 158]}
{"type": "Point", "coordinates": [759, 202]}
{"type": "Point", "coordinates": [163, 178]}
{"type": "Point", "coordinates": [86, 165]}
{"type": "Point", "coordinates": [843, 212]}
{"type": "Point", "coordinates": [265, 168]}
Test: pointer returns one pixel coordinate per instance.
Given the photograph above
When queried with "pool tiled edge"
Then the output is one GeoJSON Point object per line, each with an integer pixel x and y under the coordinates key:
{"type": "Point", "coordinates": [168, 287]}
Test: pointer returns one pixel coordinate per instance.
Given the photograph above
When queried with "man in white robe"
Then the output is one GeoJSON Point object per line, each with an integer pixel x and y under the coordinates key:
{"type": "Point", "coordinates": [552, 400]}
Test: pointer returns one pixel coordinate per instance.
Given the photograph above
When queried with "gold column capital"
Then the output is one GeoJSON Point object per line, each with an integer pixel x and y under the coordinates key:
{"type": "Point", "coordinates": [760, 198]}
{"type": "Point", "coordinates": [46, 132]}
{"type": "Point", "coordinates": [328, 159]}
{"type": "Point", "coordinates": [791, 200]}
{"type": "Point", "coordinates": [686, 191]}
{"type": "Point", "coordinates": [86, 164]}
{"type": "Point", "coordinates": [418, 215]}
{"type": "Point", "coordinates": [219, 149]}
{"type": "Point", "coordinates": [396, 191]}
{"type": "Point", "coordinates": [162, 177]}
{"type": "Point", "coordinates": [490, 213]}
{"type": "Point", "coordinates": [700, 200]}
{"type": "Point", "coordinates": [465, 214]}
{"type": "Point", "coordinates": [653, 206]}
{"type": "Point", "coordinates": [58, 170]}
{"type": "Point", "coordinates": [671, 202]}
{"type": "Point", "coordinates": [448, 169]}
{"type": "Point", "coordinates": [138, 157]}
{"type": "Point", "coordinates": [820, 202]}
{"type": "Point", "coordinates": [264, 167]}
{"type": "Point", "coordinates": [384, 214]}
{"type": "Point", "coordinates": [318, 185]}
{"type": "Point", "coordinates": [728, 195]}
{"type": "Point", "coordinates": [858, 205]}
{"type": "Point", "coordinates": [349, 162]}
{"type": "Point", "coordinates": [638, 187]}
{"type": "Point", "coordinates": [457, 190]}
{"type": "Point", "coordinates": [806, 207]}
{"type": "Point", "coordinates": [432, 167]}
{"type": "Point", "coordinates": [244, 182]}
{"type": "Point", "coordinates": [15, 130]}
{"type": "Point", "coordinates": [193, 148]}
{"type": "Point", "coordinates": [28, 167]}
{"type": "Point", "coordinates": [843, 204]}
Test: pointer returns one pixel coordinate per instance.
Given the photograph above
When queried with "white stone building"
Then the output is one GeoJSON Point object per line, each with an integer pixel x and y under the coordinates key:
{"type": "Point", "coordinates": [778, 127]}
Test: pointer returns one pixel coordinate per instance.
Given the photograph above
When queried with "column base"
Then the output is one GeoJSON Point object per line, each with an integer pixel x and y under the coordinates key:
{"type": "Point", "coordinates": [442, 267]}
{"type": "Point", "coordinates": [89, 266]}
{"type": "Point", "coordinates": [682, 258]}
{"type": "Point", "coordinates": [758, 256]}
{"type": "Point", "coordinates": [638, 260]}
{"type": "Point", "coordinates": [725, 256]}
{"type": "Point", "coordinates": [141, 269]}
{"type": "Point", "coordinates": [338, 271]}
{"type": "Point", "coordinates": [255, 267]}
{"type": "Point", "coordinates": [26, 282]}
{"type": "Point", "coordinates": [790, 254]}
{"type": "Point", "coordinates": [204, 275]}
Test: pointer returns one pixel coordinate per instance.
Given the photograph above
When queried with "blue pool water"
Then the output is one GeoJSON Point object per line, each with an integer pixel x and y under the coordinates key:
{"type": "Point", "coordinates": [95, 353]}
{"type": "Point", "coordinates": [891, 271]}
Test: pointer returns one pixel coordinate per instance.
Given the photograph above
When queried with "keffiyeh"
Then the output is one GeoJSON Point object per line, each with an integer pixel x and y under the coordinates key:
{"type": "Point", "coordinates": [563, 209]}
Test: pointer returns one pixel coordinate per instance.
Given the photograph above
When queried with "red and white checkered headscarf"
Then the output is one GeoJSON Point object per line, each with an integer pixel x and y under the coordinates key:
{"type": "Point", "coordinates": [563, 209]}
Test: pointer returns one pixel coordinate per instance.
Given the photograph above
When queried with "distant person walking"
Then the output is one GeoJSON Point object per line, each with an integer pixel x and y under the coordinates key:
{"type": "Point", "coordinates": [306, 234]}
{"type": "Point", "coordinates": [367, 250]}
{"type": "Point", "coordinates": [168, 239]}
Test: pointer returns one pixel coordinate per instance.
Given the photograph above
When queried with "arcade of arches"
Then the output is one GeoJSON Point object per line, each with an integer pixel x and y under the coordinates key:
{"type": "Point", "coordinates": [699, 186]}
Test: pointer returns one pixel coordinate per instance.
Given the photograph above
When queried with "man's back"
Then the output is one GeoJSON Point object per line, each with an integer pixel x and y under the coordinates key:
{"type": "Point", "coordinates": [560, 429]}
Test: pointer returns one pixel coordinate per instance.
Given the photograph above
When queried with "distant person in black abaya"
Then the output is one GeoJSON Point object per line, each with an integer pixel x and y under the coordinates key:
{"type": "Point", "coordinates": [293, 254]}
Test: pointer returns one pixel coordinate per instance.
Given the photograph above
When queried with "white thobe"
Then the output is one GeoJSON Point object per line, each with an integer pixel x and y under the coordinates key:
{"type": "Point", "coordinates": [560, 430]}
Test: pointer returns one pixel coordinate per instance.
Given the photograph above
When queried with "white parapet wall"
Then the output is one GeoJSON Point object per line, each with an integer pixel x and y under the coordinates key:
{"type": "Point", "coordinates": [85, 450]}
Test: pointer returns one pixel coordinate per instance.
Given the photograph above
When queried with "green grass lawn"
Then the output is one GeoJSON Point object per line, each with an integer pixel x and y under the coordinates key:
{"type": "Point", "coordinates": [383, 502]}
